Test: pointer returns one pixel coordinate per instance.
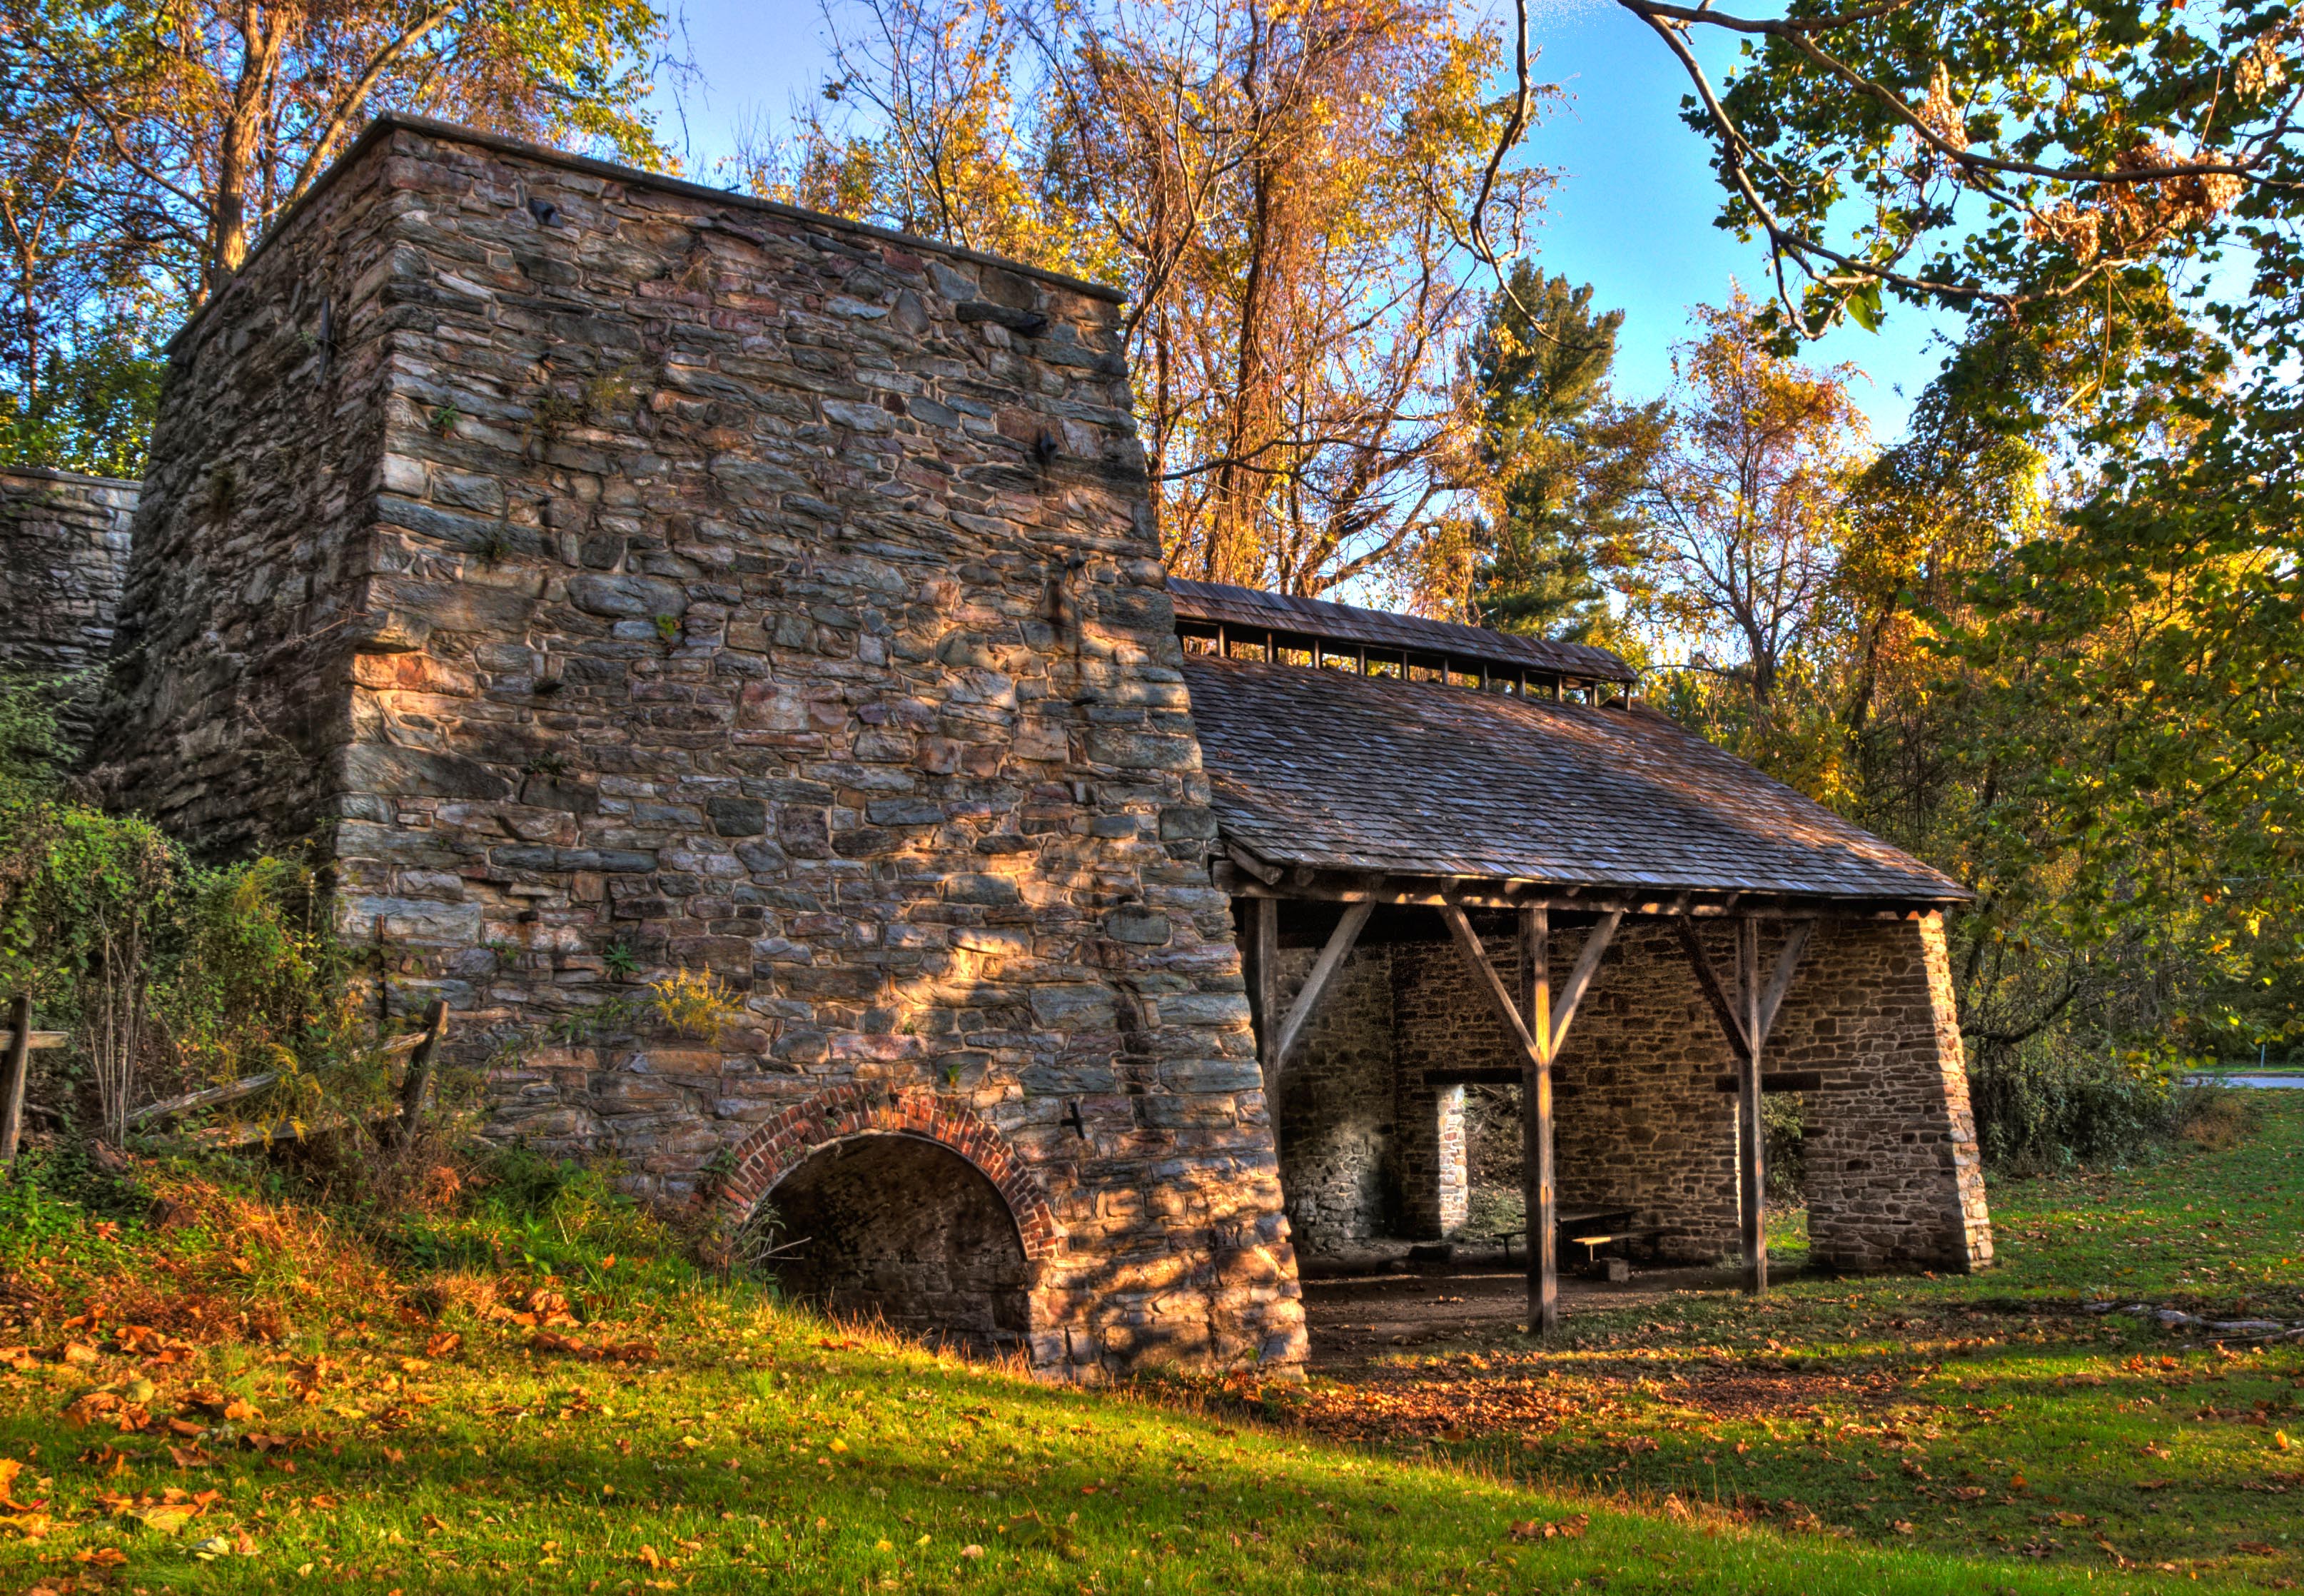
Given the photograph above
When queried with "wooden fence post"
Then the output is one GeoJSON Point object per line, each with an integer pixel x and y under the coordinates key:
{"type": "Point", "coordinates": [419, 1079]}
{"type": "Point", "coordinates": [18, 1067]}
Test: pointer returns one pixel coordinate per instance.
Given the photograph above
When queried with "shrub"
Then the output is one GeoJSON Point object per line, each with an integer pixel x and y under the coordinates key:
{"type": "Point", "coordinates": [2216, 1117]}
{"type": "Point", "coordinates": [255, 979]}
{"type": "Point", "coordinates": [1783, 1151]}
{"type": "Point", "coordinates": [84, 897]}
{"type": "Point", "coordinates": [2051, 1102]}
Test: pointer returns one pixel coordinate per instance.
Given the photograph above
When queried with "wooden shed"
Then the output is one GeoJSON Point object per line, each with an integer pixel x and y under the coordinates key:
{"type": "Point", "coordinates": [1458, 857]}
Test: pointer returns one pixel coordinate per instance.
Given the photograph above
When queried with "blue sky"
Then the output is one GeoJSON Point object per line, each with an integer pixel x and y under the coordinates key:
{"type": "Point", "coordinates": [1632, 214]}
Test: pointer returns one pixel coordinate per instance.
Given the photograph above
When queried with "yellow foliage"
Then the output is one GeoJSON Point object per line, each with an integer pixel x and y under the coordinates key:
{"type": "Point", "coordinates": [697, 1003]}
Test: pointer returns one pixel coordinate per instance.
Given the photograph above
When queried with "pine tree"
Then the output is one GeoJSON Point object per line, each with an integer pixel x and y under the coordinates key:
{"type": "Point", "coordinates": [1560, 462]}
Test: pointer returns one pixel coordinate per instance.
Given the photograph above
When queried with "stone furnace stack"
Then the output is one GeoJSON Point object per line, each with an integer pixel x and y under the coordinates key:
{"type": "Point", "coordinates": [608, 576]}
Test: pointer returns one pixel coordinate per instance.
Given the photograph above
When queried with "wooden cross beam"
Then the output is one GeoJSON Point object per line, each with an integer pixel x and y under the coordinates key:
{"type": "Point", "coordinates": [1541, 1029]}
{"type": "Point", "coordinates": [1748, 1018]}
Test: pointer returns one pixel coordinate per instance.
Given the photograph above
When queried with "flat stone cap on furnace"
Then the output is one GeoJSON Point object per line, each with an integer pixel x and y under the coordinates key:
{"type": "Point", "coordinates": [1255, 611]}
{"type": "Point", "coordinates": [1338, 771]}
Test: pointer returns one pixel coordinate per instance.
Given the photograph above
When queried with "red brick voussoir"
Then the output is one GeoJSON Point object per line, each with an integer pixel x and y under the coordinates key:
{"type": "Point", "coordinates": [807, 1127]}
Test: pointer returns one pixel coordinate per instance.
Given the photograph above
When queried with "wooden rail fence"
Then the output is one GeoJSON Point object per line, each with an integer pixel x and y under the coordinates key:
{"type": "Point", "coordinates": [421, 1048]}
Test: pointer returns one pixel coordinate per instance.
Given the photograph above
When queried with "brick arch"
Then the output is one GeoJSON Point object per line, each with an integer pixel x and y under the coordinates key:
{"type": "Point", "coordinates": [793, 1137]}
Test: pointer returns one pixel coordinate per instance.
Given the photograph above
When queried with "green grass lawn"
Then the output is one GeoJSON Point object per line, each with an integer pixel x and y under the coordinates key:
{"type": "Point", "coordinates": [1994, 1415]}
{"type": "Point", "coordinates": [382, 1421]}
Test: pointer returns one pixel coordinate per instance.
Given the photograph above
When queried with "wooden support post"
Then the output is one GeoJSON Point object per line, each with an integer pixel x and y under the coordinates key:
{"type": "Point", "coordinates": [419, 1079]}
{"type": "Point", "coordinates": [18, 1067]}
{"type": "Point", "coordinates": [1324, 971]}
{"type": "Point", "coordinates": [1539, 1196]}
{"type": "Point", "coordinates": [1748, 1017]}
{"type": "Point", "coordinates": [1542, 1030]}
{"type": "Point", "coordinates": [1264, 984]}
{"type": "Point", "coordinates": [1749, 1176]}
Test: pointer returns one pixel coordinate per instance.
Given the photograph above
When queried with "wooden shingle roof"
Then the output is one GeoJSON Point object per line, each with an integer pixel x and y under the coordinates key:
{"type": "Point", "coordinates": [1336, 771]}
{"type": "Point", "coordinates": [1253, 611]}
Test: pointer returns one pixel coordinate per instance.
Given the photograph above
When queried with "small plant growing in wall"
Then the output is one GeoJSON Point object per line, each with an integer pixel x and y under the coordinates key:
{"type": "Point", "coordinates": [668, 629]}
{"type": "Point", "coordinates": [620, 959]}
{"type": "Point", "coordinates": [443, 419]}
{"type": "Point", "coordinates": [546, 764]}
{"type": "Point", "coordinates": [700, 1005]}
{"type": "Point", "coordinates": [494, 545]}
{"type": "Point", "coordinates": [551, 417]}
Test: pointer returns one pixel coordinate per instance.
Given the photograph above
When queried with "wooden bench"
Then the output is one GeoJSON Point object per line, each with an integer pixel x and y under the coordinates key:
{"type": "Point", "coordinates": [1570, 1228]}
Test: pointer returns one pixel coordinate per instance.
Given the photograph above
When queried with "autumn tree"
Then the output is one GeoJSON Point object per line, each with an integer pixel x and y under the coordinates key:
{"type": "Point", "coordinates": [151, 143]}
{"type": "Point", "coordinates": [76, 384]}
{"type": "Point", "coordinates": [2110, 195]}
{"type": "Point", "coordinates": [1744, 504]}
{"type": "Point", "coordinates": [1283, 190]}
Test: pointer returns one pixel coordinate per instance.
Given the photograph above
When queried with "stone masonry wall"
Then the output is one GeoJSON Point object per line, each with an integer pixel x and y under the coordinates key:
{"type": "Point", "coordinates": [1639, 1120]}
{"type": "Point", "coordinates": [1894, 1174]}
{"type": "Point", "coordinates": [1335, 1106]}
{"type": "Point", "coordinates": [1642, 1123]}
{"type": "Point", "coordinates": [707, 584]}
{"type": "Point", "coordinates": [63, 559]}
{"type": "Point", "coordinates": [228, 703]}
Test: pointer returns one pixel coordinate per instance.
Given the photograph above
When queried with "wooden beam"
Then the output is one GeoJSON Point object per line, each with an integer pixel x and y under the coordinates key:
{"type": "Point", "coordinates": [1256, 878]}
{"type": "Point", "coordinates": [1264, 982]}
{"type": "Point", "coordinates": [1468, 943]}
{"type": "Point", "coordinates": [1587, 964]}
{"type": "Point", "coordinates": [1323, 970]}
{"type": "Point", "coordinates": [1774, 1081]}
{"type": "Point", "coordinates": [1540, 1193]}
{"type": "Point", "coordinates": [19, 1070]}
{"type": "Point", "coordinates": [274, 1132]}
{"type": "Point", "coordinates": [1749, 1176]}
{"type": "Point", "coordinates": [209, 1098]}
{"type": "Point", "coordinates": [1788, 959]}
{"type": "Point", "coordinates": [1708, 981]}
{"type": "Point", "coordinates": [1269, 874]}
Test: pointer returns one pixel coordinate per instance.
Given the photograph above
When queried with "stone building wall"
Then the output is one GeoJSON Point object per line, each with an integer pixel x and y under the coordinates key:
{"type": "Point", "coordinates": [227, 713]}
{"type": "Point", "coordinates": [1336, 1105]}
{"type": "Point", "coordinates": [1894, 1176]}
{"type": "Point", "coordinates": [678, 580]}
{"type": "Point", "coordinates": [1639, 1120]}
{"type": "Point", "coordinates": [63, 559]}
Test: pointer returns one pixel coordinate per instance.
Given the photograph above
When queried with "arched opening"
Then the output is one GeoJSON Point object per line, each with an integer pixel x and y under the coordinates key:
{"type": "Point", "coordinates": [907, 1231]}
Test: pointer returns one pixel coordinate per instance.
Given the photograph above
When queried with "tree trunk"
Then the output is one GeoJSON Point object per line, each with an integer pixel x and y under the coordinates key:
{"type": "Point", "coordinates": [237, 144]}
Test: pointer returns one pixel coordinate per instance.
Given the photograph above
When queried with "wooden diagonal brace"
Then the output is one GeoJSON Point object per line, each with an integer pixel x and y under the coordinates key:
{"type": "Point", "coordinates": [1587, 964]}
{"type": "Point", "coordinates": [1468, 943]}
{"type": "Point", "coordinates": [1781, 983]}
{"type": "Point", "coordinates": [1714, 993]}
{"type": "Point", "coordinates": [1323, 970]}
